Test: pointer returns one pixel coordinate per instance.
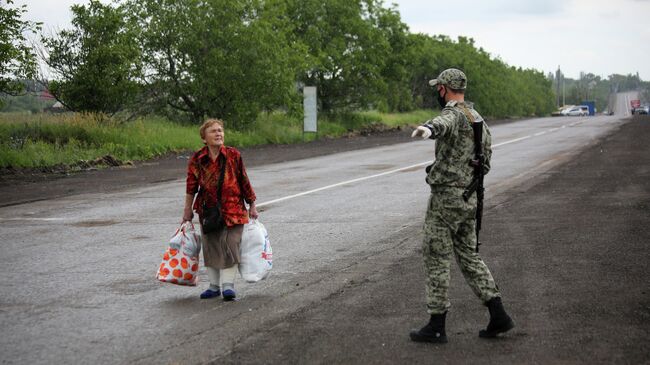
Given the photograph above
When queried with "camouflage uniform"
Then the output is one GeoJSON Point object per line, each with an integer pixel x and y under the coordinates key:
{"type": "Point", "coordinates": [450, 221]}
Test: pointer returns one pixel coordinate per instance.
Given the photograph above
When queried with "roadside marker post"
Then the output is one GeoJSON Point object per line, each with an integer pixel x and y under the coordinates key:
{"type": "Point", "coordinates": [310, 111]}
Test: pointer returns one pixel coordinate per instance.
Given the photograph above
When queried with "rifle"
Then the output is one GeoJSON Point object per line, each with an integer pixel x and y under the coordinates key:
{"type": "Point", "coordinates": [477, 182]}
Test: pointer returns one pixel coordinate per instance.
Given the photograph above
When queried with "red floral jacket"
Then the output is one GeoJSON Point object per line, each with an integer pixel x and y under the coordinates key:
{"type": "Point", "coordinates": [202, 178]}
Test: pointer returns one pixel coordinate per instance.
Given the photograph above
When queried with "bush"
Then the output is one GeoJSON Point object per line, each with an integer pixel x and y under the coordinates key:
{"type": "Point", "coordinates": [52, 139]}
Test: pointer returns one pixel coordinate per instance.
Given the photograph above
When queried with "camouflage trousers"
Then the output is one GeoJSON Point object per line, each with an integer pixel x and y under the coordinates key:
{"type": "Point", "coordinates": [449, 227]}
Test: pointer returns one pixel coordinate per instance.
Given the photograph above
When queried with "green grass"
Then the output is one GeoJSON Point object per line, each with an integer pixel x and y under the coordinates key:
{"type": "Point", "coordinates": [401, 119]}
{"type": "Point", "coordinates": [42, 140]}
{"type": "Point", "coordinates": [48, 140]}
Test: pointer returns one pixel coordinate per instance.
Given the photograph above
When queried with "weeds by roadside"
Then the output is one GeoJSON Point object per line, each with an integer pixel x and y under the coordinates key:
{"type": "Point", "coordinates": [74, 140]}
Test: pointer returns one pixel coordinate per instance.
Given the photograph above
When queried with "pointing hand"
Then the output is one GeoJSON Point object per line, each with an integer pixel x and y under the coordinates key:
{"type": "Point", "coordinates": [424, 132]}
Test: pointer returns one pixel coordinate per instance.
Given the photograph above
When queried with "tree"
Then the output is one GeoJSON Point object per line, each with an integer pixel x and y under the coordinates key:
{"type": "Point", "coordinates": [423, 64]}
{"type": "Point", "coordinates": [97, 63]}
{"type": "Point", "coordinates": [625, 82]}
{"type": "Point", "coordinates": [395, 71]}
{"type": "Point", "coordinates": [498, 90]}
{"type": "Point", "coordinates": [17, 60]}
{"type": "Point", "coordinates": [345, 52]}
{"type": "Point", "coordinates": [223, 58]}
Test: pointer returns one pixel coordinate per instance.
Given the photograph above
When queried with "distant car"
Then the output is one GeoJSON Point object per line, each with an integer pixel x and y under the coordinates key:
{"type": "Point", "coordinates": [559, 111]}
{"type": "Point", "coordinates": [645, 109]}
{"type": "Point", "coordinates": [579, 110]}
{"type": "Point", "coordinates": [563, 110]}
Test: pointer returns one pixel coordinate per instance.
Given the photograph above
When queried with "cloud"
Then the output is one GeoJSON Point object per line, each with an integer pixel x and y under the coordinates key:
{"type": "Point", "coordinates": [596, 36]}
{"type": "Point", "coordinates": [433, 11]}
{"type": "Point", "coordinates": [599, 36]}
{"type": "Point", "coordinates": [54, 14]}
{"type": "Point", "coordinates": [541, 8]}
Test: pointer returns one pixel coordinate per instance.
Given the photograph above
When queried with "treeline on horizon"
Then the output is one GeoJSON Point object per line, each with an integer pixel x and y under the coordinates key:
{"type": "Point", "coordinates": [233, 59]}
{"type": "Point", "coordinates": [595, 88]}
{"type": "Point", "coordinates": [189, 59]}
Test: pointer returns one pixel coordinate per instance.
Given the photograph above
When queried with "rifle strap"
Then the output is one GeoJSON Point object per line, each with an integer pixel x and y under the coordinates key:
{"type": "Point", "coordinates": [474, 185]}
{"type": "Point", "coordinates": [471, 188]}
{"type": "Point", "coordinates": [471, 119]}
{"type": "Point", "coordinates": [468, 114]}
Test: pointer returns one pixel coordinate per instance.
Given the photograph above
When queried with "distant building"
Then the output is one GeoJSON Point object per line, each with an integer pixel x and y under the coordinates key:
{"type": "Point", "coordinates": [56, 108]}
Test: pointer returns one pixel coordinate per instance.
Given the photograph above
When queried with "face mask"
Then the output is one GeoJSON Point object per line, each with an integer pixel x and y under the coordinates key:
{"type": "Point", "coordinates": [441, 100]}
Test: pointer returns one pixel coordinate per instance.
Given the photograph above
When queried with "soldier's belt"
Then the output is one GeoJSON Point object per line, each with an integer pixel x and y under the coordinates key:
{"type": "Point", "coordinates": [441, 188]}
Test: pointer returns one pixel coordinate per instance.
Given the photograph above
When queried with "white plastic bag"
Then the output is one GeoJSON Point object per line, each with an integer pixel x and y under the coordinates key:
{"type": "Point", "coordinates": [188, 239]}
{"type": "Point", "coordinates": [255, 252]}
{"type": "Point", "coordinates": [180, 263]}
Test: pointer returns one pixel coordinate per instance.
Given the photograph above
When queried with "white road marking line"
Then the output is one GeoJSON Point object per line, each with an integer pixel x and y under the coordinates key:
{"type": "Point", "coordinates": [387, 172]}
{"type": "Point", "coordinates": [332, 185]}
{"type": "Point", "coordinates": [343, 183]}
{"type": "Point", "coordinates": [511, 141]}
{"type": "Point", "coordinates": [54, 219]}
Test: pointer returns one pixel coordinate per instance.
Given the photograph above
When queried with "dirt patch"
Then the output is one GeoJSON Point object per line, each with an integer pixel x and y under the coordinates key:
{"type": "Point", "coordinates": [28, 185]}
{"type": "Point", "coordinates": [94, 223]}
{"type": "Point", "coordinates": [10, 173]}
{"type": "Point", "coordinates": [106, 174]}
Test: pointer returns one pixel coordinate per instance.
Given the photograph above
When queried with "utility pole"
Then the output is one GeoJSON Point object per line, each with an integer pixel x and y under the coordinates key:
{"type": "Point", "coordinates": [563, 92]}
{"type": "Point", "coordinates": [558, 80]}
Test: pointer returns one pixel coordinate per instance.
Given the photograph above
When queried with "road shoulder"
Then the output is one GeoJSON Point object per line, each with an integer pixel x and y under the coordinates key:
{"type": "Point", "coordinates": [29, 186]}
{"type": "Point", "coordinates": [570, 254]}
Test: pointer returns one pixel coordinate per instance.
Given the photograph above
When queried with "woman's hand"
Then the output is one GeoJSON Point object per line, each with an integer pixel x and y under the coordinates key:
{"type": "Point", "coordinates": [252, 211]}
{"type": "Point", "coordinates": [187, 210]}
{"type": "Point", "coordinates": [187, 216]}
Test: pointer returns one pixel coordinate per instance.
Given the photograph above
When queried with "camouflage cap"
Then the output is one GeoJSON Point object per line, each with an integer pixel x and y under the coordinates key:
{"type": "Point", "coordinates": [452, 77]}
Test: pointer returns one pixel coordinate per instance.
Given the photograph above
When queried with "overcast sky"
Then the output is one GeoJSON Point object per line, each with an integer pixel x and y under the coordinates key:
{"type": "Point", "coordinates": [598, 36]}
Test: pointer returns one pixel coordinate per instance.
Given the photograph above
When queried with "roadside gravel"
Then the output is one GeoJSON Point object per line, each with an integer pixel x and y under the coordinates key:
{"type": "Point", "coordinates": [569, 252]}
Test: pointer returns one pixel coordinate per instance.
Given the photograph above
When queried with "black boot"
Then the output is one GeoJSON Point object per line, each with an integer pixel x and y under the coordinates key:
{"type": "Point", "coordinates": [500, 321]}
{"type": "Point", "coordinates": [434, 331]}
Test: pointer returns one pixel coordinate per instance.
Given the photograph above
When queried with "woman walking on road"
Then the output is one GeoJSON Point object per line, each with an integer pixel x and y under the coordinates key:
{"type": "Point", "coordinates": [204, 172]}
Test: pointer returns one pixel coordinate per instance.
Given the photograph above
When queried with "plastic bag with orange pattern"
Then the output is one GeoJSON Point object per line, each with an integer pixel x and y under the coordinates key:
{"type": "Point", "coordinates": [180, 263]}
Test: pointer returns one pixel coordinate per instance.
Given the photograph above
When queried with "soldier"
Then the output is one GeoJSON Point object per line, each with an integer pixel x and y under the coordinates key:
{"type": "Point", "coordinates": [451, 220]}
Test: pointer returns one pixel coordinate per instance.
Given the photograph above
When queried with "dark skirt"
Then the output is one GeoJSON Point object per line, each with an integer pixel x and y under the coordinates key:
{"type": "Point", "coordinates": [221, 249]}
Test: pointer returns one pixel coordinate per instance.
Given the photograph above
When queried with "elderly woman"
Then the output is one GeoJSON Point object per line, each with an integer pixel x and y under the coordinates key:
{"type": "Point", "coordinates": [221, 247]}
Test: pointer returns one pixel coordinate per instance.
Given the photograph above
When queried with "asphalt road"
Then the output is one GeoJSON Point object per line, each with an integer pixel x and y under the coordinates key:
{"type": "Point", "coordinates": [79, 283]}
{"type": "Point", "coordinates": [622, 105]}
{"type": "Point", "coordinates": [569, 252]}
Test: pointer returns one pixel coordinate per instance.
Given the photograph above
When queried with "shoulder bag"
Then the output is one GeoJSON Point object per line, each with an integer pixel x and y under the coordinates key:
{"type": "Point", "coordinates": [212, 219]}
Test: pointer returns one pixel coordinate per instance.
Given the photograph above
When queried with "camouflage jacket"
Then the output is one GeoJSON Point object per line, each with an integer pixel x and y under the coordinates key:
{"type": "Point", "coordinates": [454, 137]}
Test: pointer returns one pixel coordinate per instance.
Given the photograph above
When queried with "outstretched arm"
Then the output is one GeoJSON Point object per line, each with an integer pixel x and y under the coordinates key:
{"type": "Point", "coordinates": [439, 126]}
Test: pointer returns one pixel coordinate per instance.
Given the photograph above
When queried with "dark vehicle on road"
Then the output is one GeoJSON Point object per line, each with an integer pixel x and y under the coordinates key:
{"type": "Point", "coordinates": [634, 104]}
{"type": "Point", "coordinates": [644, 109]}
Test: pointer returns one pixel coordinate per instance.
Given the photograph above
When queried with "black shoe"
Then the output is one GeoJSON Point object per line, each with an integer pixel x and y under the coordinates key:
{"type": "Point", "coordinates": [500, 321]}
{"type": "Point", "coordinates": [209, 294]}
{"type": "Point", "coordinates": [433, 332]}
{"type": "Point", "coordinates": [229, 295]}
